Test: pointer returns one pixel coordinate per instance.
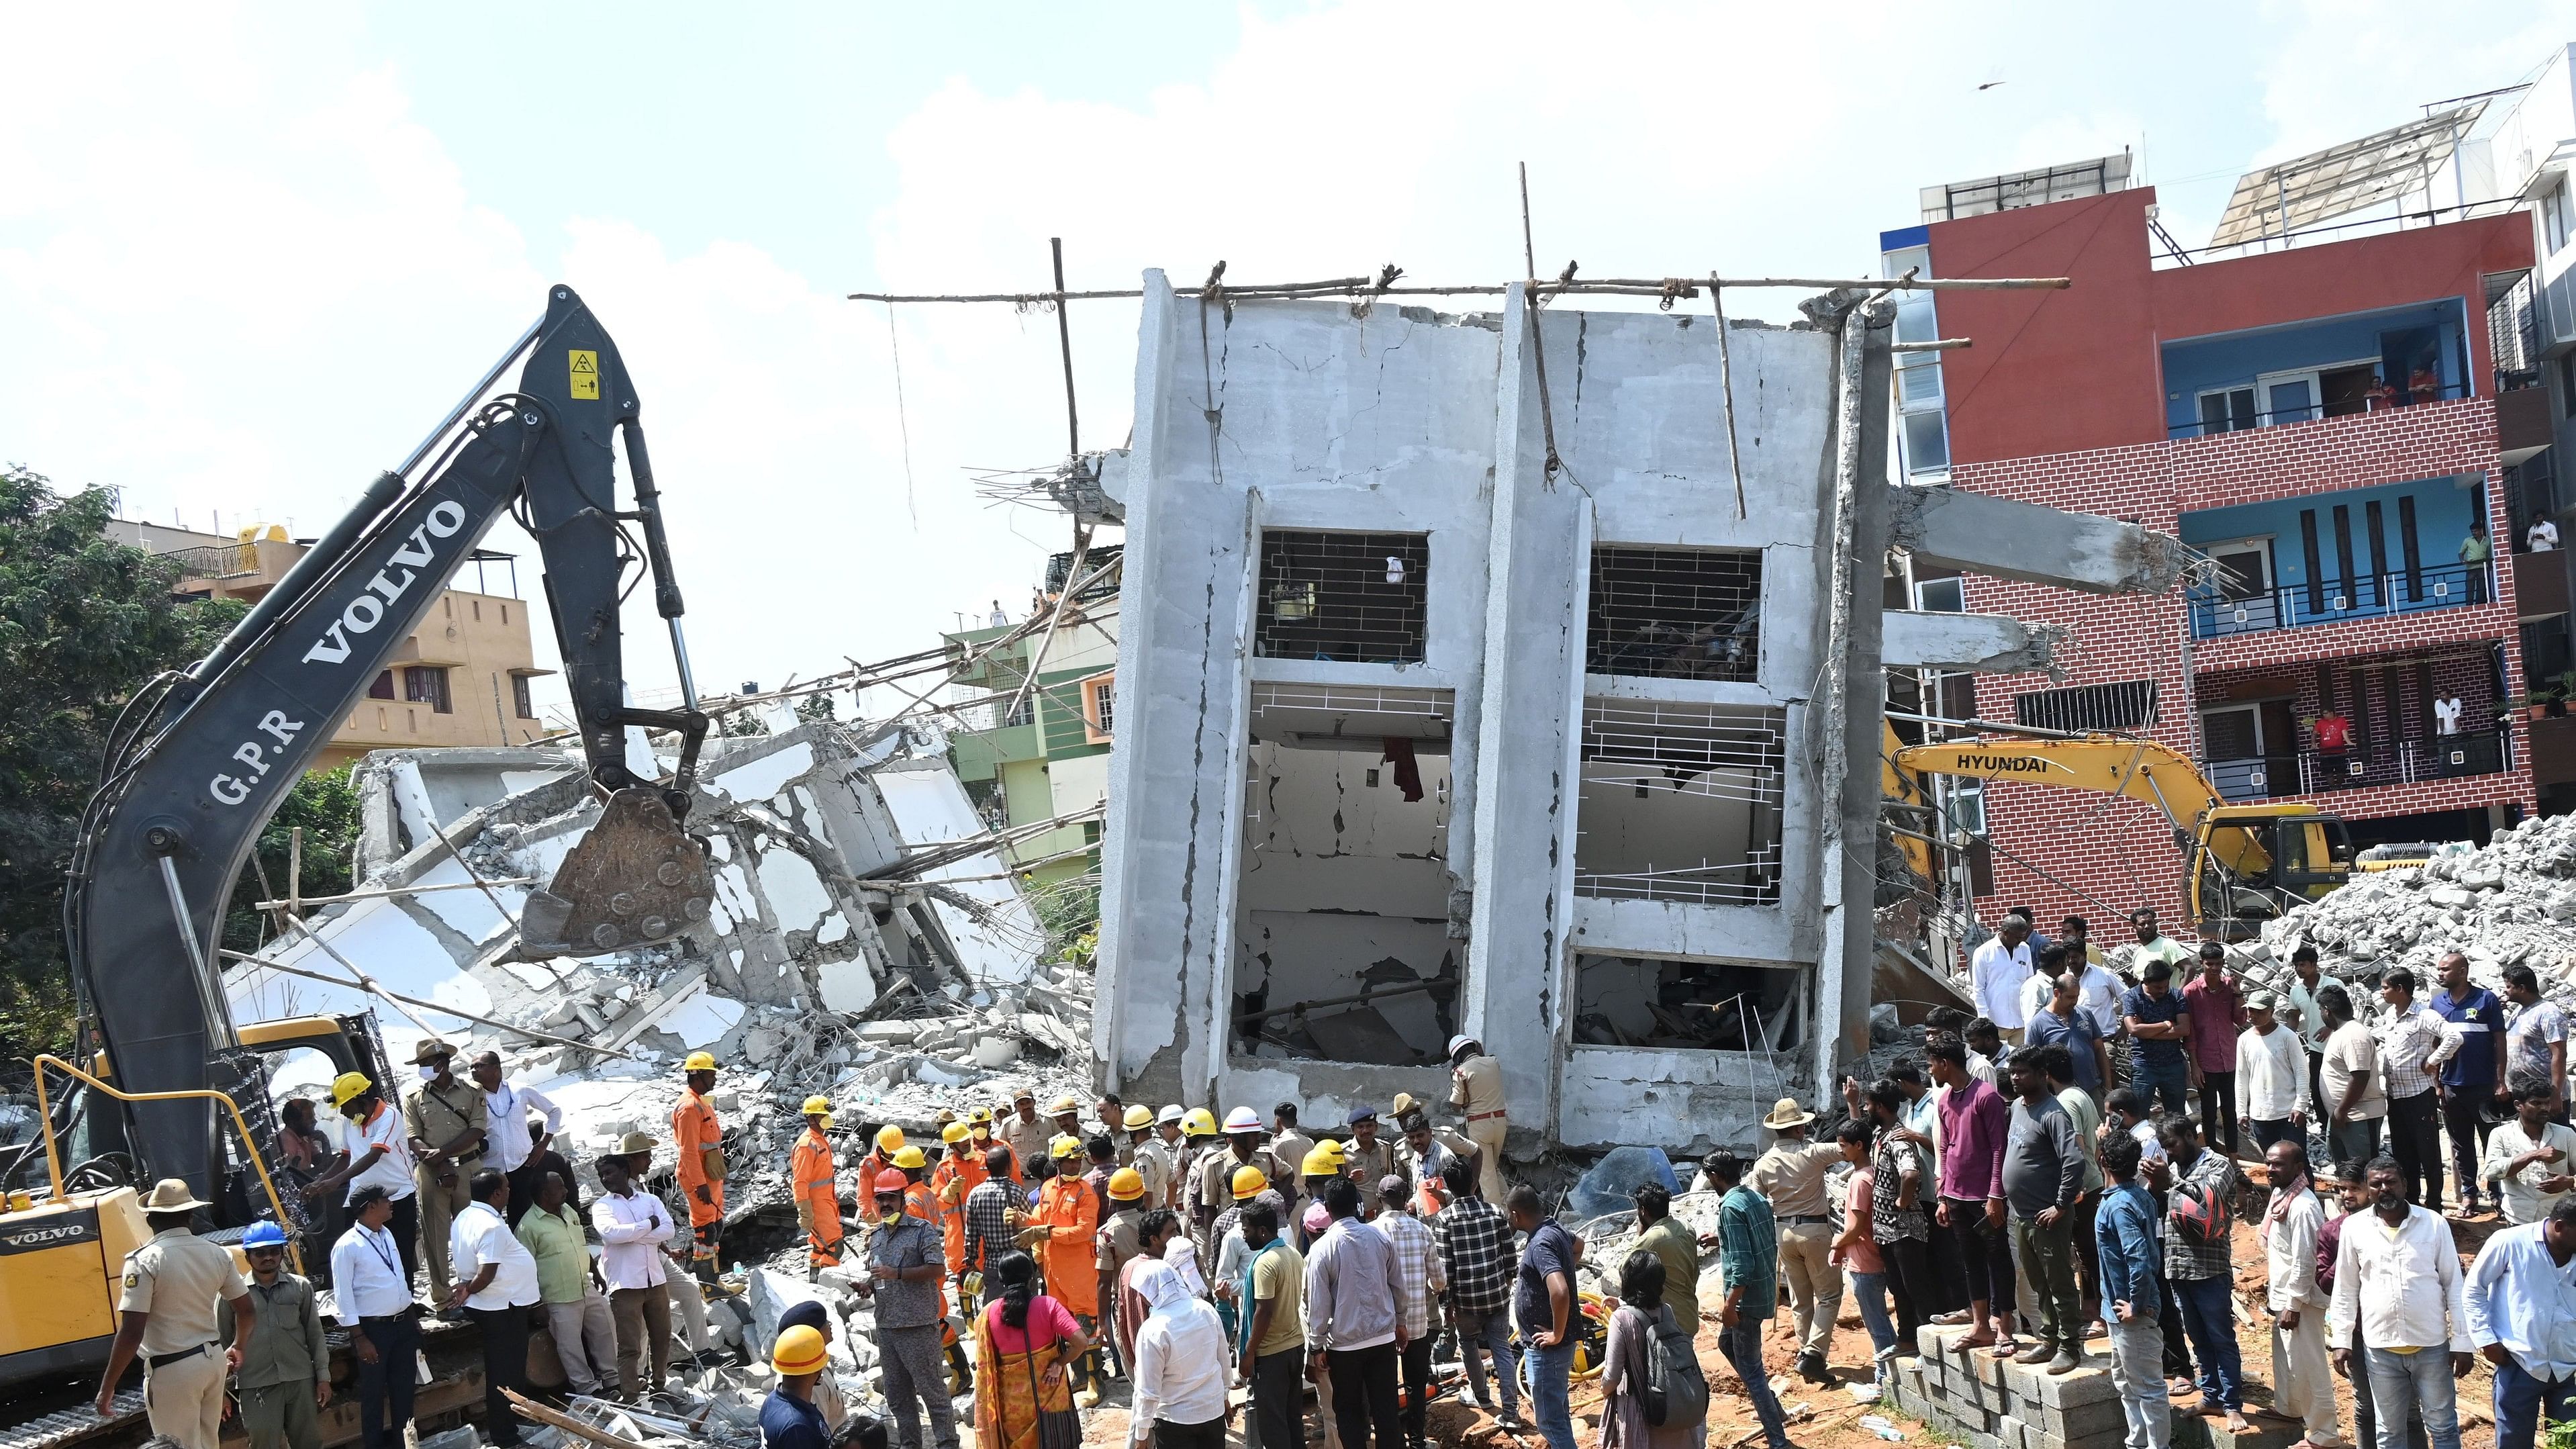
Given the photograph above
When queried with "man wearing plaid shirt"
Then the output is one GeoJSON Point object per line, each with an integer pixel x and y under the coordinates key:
{"type": "Point", "coordinates": [1417, 1284]}
{"type": "Point", "coordinates": [989, 1208]}
{"type": "Point", "coordinates": [1476, 1262]}
{"type": "Point", "coordinates": [2414, 1041]}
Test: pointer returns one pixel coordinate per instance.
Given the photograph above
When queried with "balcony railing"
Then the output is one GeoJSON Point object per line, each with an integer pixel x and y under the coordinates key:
{"type": "Point", "coordinates": [2217, 612]}
{"type": "Point", "coordinates": [215, 560]}
{"type": "Point", "coordinates": [2404, 762]}
{"type": "Point", "coordinates": [2240, 420]}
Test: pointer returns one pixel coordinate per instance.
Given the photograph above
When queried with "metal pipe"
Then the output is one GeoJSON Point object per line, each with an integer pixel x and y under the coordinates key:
{"type": "Point", "coordinates": [53, 1162]}
{"type": "Point", "coordinates": [466, 404]}
{"type": "Point", "coordinates": [657, 553]}
{"type": "Point", "coordinates": [210, 994]}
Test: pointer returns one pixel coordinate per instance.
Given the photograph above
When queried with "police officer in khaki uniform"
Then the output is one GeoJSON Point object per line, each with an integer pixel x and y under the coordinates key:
{"type": "Point", "coordinates": [168, 1308]}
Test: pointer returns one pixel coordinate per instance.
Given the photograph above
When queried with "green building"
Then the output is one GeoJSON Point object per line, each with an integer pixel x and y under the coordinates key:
{"type": "Point", "coordinates": [1049, 758]}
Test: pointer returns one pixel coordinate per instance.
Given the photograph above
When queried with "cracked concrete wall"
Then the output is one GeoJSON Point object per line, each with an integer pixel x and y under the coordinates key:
{"type": "Point", "coordinates": [1303, 415]}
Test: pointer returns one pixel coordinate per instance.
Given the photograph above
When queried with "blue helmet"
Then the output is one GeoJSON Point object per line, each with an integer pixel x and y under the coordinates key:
{"type": "Point", "coordinates": [263, 1234]}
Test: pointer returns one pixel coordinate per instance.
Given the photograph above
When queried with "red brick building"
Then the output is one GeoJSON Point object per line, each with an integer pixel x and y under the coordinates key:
{"type": "Point", "coordinates": [2323, 423]}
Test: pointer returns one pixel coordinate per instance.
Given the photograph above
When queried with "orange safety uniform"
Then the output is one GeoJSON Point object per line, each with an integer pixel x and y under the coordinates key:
{"type": "Point", "coordinates": [871, 1167]}
{"type": "Point", "coordinates": [1070, 1212]}
{"type": "Point", "coordinates": [921, 1200]}
{"type": "Point", "coordinates": [950, 1182]}
{"type": "Point", "coordinates": [809, 1176]}
{"type": "Point", "coordinates": [695, 1132]}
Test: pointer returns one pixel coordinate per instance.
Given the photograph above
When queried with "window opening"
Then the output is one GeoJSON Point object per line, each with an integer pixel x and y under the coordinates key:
{"type": "Point", "coordinates": [426, 684]}
{"type": "Point", "coordinates": [520, 700]}
{"type": "Point", "coordinates": [1679, 802]}
{"type": "Point", "coordinates": [1342, 944]}
{"type": "Point", "coordinates": [1356, 597]}
{"type": "Point", "coordinates": [382, 686]}
{"type": "Point", "coordinates": [1650, 1001]}
{"type": "Point", "coordinates": [1685, 613]}
{"type": "Point", "coordinates": [2129, 705]}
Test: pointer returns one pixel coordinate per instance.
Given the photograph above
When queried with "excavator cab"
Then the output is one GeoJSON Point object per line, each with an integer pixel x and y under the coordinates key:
{"type": "Point", "coordinates": [2252, 862]}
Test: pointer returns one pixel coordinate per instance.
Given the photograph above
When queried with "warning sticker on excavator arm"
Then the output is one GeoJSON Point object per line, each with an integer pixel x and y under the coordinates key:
{"type": "Point", "coordinates": [585, 373]}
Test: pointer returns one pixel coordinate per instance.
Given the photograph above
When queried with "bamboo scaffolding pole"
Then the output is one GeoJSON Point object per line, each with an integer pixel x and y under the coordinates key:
{"type": "Point", "coordinates": [1676, 287]}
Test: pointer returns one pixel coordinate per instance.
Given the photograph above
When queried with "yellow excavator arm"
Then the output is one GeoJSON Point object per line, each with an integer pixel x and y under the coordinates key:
{"type": "Point", "coordinates": [2143, 770]}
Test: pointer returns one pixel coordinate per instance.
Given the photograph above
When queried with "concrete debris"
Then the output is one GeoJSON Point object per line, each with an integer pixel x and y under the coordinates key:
{"type": "Point", "coordinates": [2511, 903]}
{"type": "Point", "coordinates": [833, 962]}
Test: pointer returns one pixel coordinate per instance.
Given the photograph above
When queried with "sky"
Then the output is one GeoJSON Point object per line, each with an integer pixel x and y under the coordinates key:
{"type": "Point", "coordinates": [249, 254]}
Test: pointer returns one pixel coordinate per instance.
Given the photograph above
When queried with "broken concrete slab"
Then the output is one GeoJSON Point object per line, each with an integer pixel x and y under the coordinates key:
{"type": "Point", "coordinates": [2001, 538]}
{"type": "Point", "coordinates": [1987, 643]}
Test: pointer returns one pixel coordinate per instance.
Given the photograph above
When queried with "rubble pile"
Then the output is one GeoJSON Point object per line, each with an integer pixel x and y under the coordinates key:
{"type": "Point", "coordinates": [2511, 903]}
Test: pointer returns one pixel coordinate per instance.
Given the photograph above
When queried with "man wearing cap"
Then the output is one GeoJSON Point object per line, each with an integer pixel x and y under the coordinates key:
{"type": "Point", "coordinates": [1145, 1153]}
{"type": "Point", "coordinates": [1476, 1089]}
{"type": "Point", "coordinates": [633, 1228]}
{"type": "Point", "coordinates": [884, 1141]}
{"type": "Point", "coordinates": [2271, 1076]}
{"type": "Point", "coordinates": [700, 1141]}
{"type": "Point", "coordinates": [1063, 1229]}
{"type": "Point", "coordinates": [168, 1316]}
{"type": "Point", "coordinates": [1120, 1239]}
{"type": "Point", "coordinates": [1325, 1161]}
{"type": "Point", "coordinates": [514, 1148]}
{"type": "Point", "coordinates": [1024, 1132]}
{"type": "Point", "coordinates": [812, 1178]}
{"type": "Point", "coordinates": [1372, 1157]}
{"type": "Point", "coordinates": [1066, 1109]}
{"type": "Point", "coordinates": [1289, 1145]}
{"type": "Point", "coordinates": [285, 1375]}
{"type": "Point", "coordinates": [497, 1279]}
{"type": "Point", "coordinates": [372, 1300]}
{"type": "Point", "coordinates": [788, 1417]}
{"type": "Point", "coordinates": [959, 1173]}
{"type": "Point", "coordinates": [904, 1266]}
{"type": "Point", "coordinates": [445, 1120]}
{"type": "Point", "coordinates": [375, 1152]}
{"type": "Point", "coordinates": [1214, 1177]}
{"type": "Point", "coordinates": [919, 1199]}
{"type": "Point", "coordinates": [1791, 1176]}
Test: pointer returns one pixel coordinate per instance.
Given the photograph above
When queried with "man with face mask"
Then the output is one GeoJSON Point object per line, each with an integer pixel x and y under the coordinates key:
{"type": "Point", "coordinates": [905, 1263]}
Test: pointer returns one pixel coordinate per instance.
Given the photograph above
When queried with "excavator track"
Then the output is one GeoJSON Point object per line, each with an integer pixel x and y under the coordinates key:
{"type": "Point", "coordinates": [77, 1424]}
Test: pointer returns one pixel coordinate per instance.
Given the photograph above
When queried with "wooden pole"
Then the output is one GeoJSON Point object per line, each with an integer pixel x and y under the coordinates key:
{"type": "Point", "coordinates": [295, 871]}
{"type": "Point", "coordinates": [1726, 392]}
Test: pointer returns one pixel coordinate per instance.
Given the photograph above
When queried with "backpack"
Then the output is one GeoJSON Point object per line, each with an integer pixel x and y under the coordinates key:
{"type": "Point", "coordinates": [1676, 1392]}
{"type": "Point", "coordinates": [2199, 1212]}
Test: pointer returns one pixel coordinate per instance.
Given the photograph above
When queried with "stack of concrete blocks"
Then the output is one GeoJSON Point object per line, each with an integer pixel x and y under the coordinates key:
{"type": "Point", "coordinates": [1981, 1401]}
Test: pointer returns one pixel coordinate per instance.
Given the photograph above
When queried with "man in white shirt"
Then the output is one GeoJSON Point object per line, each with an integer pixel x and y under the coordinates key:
{"type": "Point", "coordinates": [513, 1149]}
{"type": "Point", "coordinates": [2521, 1298]}
{"type": "Point", "coordinates": [2302, 1385]}
{"type": "Point", "coordinates": [2397, 1275]}
{"type": "Point", "coordinates": [2271, 1075]}
{"type": "Point", "coordinates": [1998, 970]}
{"type": "Point", "coordinates": [2529, 1159]}
{"type": "Point", "coordinates": [2544, 535]}
{"type": "Point", "coordinates": [371, 1295]}
{"type": "Point", "coordinates": [2446, 715]}
{"type": "Point", "coordinates": [375, 1151]}
{"type": "Point", "coordinates": [633, 1226]}
{"type": "Point", "coordinates": [499, 1285]}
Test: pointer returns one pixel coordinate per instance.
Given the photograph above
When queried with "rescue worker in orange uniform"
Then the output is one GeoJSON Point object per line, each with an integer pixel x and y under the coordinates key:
{"type": "Point", "coordinates": [1064, 1230]}
{"type": "Point", "coordinates": [880, 1158]}
{"type": "Point", "coordinates": [979, 1126]}
{"type": "Point", "coordinates": [919, 1199]}
{"type": "Point", "coordinates": [959, 1172]}
{"type": "Point", "coordinates": [818, 1193]}
{"type": "Point", "coordinates": [700, 1140]}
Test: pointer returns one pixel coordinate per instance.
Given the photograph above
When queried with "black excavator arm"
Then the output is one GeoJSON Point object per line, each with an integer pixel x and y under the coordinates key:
{"type": "Point", "coordinates": [199, 766]}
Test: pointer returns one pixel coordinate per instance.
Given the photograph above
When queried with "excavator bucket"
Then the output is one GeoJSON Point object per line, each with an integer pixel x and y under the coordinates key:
{"type": "Point", "coordinates": [635, 879]}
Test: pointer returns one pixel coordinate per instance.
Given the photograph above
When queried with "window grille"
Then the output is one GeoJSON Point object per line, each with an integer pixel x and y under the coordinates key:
{"type": "Point", "coordinates": [2129, 705]}
{"type": "Point", "coordinates": [1683, 613]}
{"type": "Point", "coordinates": [1681, 802]}
{"type": "Point", "coordinates": [1356, 597]}
{"type": "Point", "coordinates": [426, 684]}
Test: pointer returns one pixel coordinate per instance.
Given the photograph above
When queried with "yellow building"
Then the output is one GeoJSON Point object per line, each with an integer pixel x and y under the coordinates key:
{"type": "Point", "coordinates": [461, 678]}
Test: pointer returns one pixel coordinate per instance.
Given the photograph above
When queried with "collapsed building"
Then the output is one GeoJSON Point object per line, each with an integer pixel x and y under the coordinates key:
{"type": "Point", "coordinates": [1467, 683]}
{"type": "Point", "coordinates": [866, 942]}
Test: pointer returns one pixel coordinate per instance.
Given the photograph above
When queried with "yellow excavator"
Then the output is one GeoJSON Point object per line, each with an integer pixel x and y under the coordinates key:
{"type": "Point", "coordinates": [2244, 864]}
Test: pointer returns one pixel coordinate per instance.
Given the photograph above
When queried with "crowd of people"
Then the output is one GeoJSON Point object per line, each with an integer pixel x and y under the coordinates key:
{"type": "Point", "coordinates": [2065, 1169]}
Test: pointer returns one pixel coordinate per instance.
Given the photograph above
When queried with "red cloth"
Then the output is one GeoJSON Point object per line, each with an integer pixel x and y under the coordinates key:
{"type": "Point", "coordinates": [2334, 732]}
{"type": "Point", "coordinates": [1048, 1321]}
{"type": "Point", "coordinates": [1408, 775]}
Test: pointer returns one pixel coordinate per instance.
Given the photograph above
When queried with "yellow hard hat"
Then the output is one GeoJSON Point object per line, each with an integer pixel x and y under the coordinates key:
{"type": "Point", "coordinates": [910, 1157]}
{"type": "Point", "coordinates": [1064, 1104]}
{"type": "Point", "coordinates": [818, 1106]}
{"type": "Point", "coordinates": [1199, 1123]}
{"type": "Point", "coordinates": [954, 1132]}
{"type": "Point", "coordinates": [889, 1137]}
{"type": "Point", "coordinates": [346, 1088]}
{"type": "Point", "coordinates": [1248, 1182]}
{"type": "Point", "coordinates": [1065, 1146]}
{"type": "Point", "coordinates": [980, 1117]}
{"type": "Point", "coordinates": [1325, 1160]}
{"type": "Point", "coordinates": [1139, 1117]}
{"type": "Point", "coordinates": [1126, 1184]}
{"type": "Point", "coordinates": [699, 1062]}
{"type": "Point", "coordinates": [799, 1351]}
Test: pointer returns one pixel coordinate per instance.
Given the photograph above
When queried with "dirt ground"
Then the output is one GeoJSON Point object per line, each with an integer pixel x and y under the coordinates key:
{"type": "Point", "coordinates": [1823, 1417]}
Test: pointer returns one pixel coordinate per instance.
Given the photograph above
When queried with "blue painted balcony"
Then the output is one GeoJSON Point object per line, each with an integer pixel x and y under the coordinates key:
{"type": "Point", "coordinates": [2219, 610]}
{"type": "Point", "coordinates": [2328, 558]}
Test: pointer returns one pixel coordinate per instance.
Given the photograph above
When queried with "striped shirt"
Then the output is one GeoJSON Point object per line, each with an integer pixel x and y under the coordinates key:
{"type": "Point", "coordinates": [1417, 1268]}
{"type": "Point", "coordinates": [2411, 1044]}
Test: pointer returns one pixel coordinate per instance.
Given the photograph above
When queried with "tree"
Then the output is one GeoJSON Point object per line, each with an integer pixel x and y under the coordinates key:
{"type": "Point", "coordinates": [85, 622]}
{"type": "Point", "coordinates": [326, 808]}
